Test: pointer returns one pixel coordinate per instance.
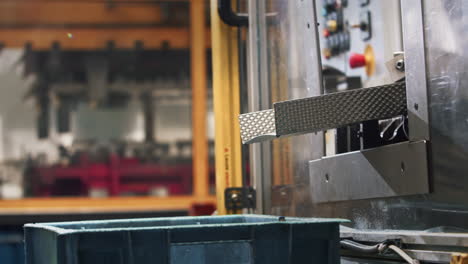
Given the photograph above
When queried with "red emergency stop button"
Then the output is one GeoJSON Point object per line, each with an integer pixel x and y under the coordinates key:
{"type": "Point", "coordinates": [367, 60]}
{"type": "Point", "coordinates": [357, 60]}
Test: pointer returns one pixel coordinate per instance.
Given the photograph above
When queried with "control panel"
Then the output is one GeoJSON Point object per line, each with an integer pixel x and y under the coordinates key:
{"type": "Point", "coordinates": [359, 36]}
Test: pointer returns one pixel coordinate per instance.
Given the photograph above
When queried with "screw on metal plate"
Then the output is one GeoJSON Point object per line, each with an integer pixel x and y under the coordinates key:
{"type": "Point", "coordinates": [400, 65]}
{"type": "Point", "coordinates": [396, 67]}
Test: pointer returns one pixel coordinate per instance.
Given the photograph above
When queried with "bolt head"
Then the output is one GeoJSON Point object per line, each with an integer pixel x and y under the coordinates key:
{"type": "Point", "coordinates": [400, 65]}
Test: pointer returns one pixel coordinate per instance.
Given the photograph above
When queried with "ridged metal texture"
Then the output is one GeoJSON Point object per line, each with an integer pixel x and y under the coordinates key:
{"type": "Point", "coordinates": [339, 109]}
{"type": "Point", "coordinates": [257, 124]}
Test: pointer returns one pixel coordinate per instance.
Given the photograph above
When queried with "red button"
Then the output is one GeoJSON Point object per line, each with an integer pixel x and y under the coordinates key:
{"type": "Point", "coordinates": [357, 60]}
{"type": "Point", "coordinates": [326, 33]}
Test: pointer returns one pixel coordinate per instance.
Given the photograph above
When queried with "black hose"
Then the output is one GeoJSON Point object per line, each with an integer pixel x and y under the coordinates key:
{"type": "Point", "coordinates": [229, 17]}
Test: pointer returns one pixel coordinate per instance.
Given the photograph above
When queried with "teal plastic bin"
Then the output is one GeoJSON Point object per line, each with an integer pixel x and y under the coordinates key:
{"type": "Point", "coordinates": [238, 239]}
{"type": "Point", "coordinates": [11, 248]}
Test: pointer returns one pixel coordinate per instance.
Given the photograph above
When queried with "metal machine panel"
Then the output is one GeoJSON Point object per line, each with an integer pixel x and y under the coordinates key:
{"type": "Point", "coordinates": [415, 64]}
{"type": "Point", "coordinates": [445, 32]}
{"type": "Point", "coordinates": [394, 170]}
{"type": "Point", "coordinates": [385, 37]}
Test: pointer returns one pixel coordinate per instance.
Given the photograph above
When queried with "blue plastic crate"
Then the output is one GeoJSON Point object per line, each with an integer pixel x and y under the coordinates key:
{"type": "Point", "coordinates": [11, 248]}
{"type": "Point", "coordinates": [238, 239]}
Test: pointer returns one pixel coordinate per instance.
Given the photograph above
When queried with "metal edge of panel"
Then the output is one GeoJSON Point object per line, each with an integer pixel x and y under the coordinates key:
{"type": "Point", "coordinates": [259, 98]}
{"type": "Point", "coordinates": [314, 81]}
{"type": "Point", "coordinates": [415, 69]}
{"type": "Point", "coordinates": [394, 170]}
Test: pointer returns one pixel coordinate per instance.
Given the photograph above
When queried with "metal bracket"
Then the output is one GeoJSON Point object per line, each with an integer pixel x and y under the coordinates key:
{"type": "Point", "coordinates": [396, 67]}
{"type": "Point", "coordinates": [239, 198]}
{"type": "Point", "coordinates": [393, 170]}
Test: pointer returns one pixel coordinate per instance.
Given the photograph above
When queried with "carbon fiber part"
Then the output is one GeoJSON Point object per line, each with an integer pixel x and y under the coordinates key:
{"type": "Point", "coordinates": [339, 109]}
{"type": "Point", "coordinates": [257, 126]}
{"type": "Point", "coordinates": [324, 112]}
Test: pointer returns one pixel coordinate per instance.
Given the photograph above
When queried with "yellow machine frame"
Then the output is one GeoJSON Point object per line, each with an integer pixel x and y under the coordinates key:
{"type": "Point", "coordinates": [226, 106]}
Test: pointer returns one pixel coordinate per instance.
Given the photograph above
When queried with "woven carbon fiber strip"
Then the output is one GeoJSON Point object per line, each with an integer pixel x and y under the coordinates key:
{"type": "Point", "coordinates": [339, 109]}
{"type": "Point", "coordinates": [256, 126]}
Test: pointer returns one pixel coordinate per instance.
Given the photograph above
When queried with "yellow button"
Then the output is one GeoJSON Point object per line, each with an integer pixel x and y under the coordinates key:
{"type": "Point", "coordinates": [332, 25]}
{"type": "Point", "coordinates": [326, 53]}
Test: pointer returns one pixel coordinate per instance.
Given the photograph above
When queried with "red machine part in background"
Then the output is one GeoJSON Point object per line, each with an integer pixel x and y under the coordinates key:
{"type": "Point", "coordinates": [116, 177]}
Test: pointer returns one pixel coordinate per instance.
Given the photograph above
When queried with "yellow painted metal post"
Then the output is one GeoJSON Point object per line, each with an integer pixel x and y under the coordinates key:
{"type": "Point", "coordinates": [199, 95]}
{"type": "Point", "coordinates": [226, 106]}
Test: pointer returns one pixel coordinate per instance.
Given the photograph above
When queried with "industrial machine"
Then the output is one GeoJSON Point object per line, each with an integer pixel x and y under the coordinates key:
{"type": "Point", "coordinates": [349, 109]}
{"type": "Point", "coordinates": [356, 110]}
{"type": "Point", "coordinates": [112, 74]}
{"type": "Point", "coordinates": [99, 171]}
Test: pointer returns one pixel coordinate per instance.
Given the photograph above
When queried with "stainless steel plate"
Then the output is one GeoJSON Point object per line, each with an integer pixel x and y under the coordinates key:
{"type": "Point", "coordinates": [394, 170]}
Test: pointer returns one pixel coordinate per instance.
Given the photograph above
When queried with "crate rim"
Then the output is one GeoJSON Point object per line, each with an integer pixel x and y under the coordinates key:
{"type": "Point", "coordinates": [287, 220]}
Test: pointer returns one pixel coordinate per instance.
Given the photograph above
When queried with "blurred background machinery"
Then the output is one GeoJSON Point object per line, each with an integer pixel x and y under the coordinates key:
{"type": "Point", "coordinates": [102, 97]}
{"type": "Point", "coordinates": [105, 111]}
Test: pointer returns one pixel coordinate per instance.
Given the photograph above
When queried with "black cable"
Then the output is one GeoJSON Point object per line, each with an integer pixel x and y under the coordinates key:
{"type": "Point", "coordinates": [229, 17]}
{"type": "Point", "coordinates": [376, 249]}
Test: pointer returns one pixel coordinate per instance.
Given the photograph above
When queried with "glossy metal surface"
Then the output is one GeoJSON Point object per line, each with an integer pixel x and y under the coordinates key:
{"type": "Point", "coordinates": [446, 35]}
